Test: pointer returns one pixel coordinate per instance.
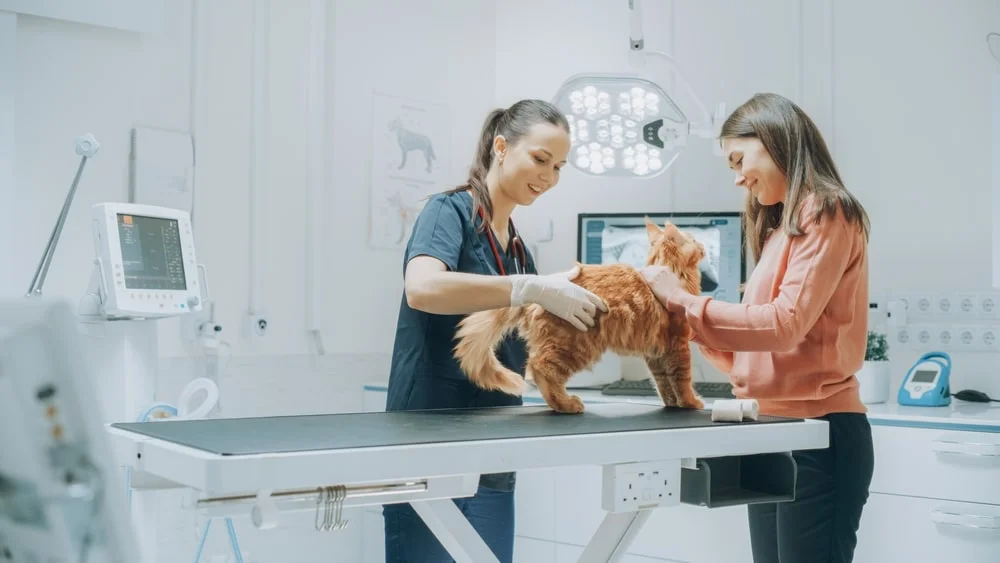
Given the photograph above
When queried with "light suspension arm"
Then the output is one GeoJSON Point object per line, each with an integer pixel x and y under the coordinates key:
{"type": "Point", "coordinates": [86, 146]}
{"type": "Point", "coordinates": [637, 59]}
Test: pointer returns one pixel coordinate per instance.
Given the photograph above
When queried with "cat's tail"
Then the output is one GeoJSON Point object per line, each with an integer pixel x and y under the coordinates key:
{"type": "Point", "coordinates": [478, 335]}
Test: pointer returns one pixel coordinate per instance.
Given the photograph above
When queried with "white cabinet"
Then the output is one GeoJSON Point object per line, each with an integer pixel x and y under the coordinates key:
{"type": "Point", "coordinates": [931, 463]}
{"type": "Point", "coordinates": [914, 530]}
{"type": "Point", "coordinates": [935, 497]}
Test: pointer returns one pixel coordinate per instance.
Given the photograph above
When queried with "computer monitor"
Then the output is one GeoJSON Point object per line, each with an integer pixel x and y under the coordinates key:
{"type": "Point", "coordinates": [609, 238]}
{"type": "Point", "coordinates": [146, 260]}
{"type": "Point", "coordinates": [62, 498]}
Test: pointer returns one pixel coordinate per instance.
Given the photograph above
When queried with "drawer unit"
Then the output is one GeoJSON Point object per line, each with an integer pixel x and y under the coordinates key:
{"type": "Point", "coordinates": [911, 530]}
{"type": "Point", "coordinates": [943, 464]}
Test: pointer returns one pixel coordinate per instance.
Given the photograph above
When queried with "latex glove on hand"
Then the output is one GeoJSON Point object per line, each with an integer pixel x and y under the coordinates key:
{"type": "Point", "coordinates": [663, 282]}
{"type": "Point", "coordinates": [557, 294]}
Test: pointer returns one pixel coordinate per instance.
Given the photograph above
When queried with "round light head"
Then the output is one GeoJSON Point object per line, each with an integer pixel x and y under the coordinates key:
{"type": "Point", "coordinates": [621, 125]}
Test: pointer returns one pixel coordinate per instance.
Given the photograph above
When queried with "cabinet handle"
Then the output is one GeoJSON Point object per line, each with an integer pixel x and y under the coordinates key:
{"type": "Point", "coordinates": [983, 449]}
{"type": "Point", "coordinates": [978, 521]}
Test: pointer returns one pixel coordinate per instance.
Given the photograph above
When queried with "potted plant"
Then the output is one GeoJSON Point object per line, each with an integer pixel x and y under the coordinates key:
{"type": "Point", "coordinates": [874, 374]}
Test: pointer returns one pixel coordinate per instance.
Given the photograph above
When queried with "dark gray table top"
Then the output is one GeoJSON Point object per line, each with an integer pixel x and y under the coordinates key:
{"type": "Point", "coordinates": [283, 434]}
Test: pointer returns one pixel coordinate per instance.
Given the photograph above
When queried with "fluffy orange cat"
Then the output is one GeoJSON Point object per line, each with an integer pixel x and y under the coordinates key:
{"type": "Point", "coordinates": [636, 324]}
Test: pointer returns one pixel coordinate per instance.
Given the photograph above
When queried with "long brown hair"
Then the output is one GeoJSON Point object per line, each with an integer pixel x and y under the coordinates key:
{"type": "Point", "coordinates": [513, 123]}
{"type": "Point", "coordinates": [797, 147]}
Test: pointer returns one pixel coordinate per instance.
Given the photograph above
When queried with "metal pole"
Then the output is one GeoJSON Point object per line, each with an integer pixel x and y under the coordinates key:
{"type": "Point", "coordinates": [312, 493]}
{"type": "Point", "coordinates": [86, 146]}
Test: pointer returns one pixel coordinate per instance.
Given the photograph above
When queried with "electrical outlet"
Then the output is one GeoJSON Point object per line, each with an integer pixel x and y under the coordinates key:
{"type": "Point", "coordinates": [635, 486]}
{"type": "Point", "coordinates": [989, 339]}
{"type": "Point", "coordinates": [917, 306]}
{"type": "Point", "coordinates": [945, 337]}
{"type": "Point", "coordinates": [256, 325]}
{"type": "Point", "coordinates": [966, 338]}
{"type": "Point", "coordinates": [924, 335]}
{"type": "Point", "coordinates": [901, 336]}
{"type": "Point", "coordinates": [987, 305]}
{"type": "Point", "coordinates": [922, 306]}
{"type": "Point", "coordinates": [946, 305]}
{"type": "Point", "coordinates": [968, 305]}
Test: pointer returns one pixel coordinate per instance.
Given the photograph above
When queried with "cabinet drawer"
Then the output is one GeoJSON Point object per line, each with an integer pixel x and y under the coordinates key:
{"type": "Point", "coordinates": [944, 464]}
{"type": "Point", "coordinates": [898, 529]}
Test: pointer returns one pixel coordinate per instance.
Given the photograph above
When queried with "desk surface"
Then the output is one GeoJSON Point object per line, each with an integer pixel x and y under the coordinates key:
{"type": "Point", "coordinates": [270, 435]}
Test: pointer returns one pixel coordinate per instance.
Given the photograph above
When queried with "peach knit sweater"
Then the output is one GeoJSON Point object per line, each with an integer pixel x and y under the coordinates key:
{"type": "Point", "coordinates": [799, 336]}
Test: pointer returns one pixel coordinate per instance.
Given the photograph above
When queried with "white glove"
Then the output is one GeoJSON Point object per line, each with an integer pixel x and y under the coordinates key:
{"type": "Point", "coordinates": [557, 295]}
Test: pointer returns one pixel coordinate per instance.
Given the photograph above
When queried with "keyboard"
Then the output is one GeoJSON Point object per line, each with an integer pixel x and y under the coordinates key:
{"type": "Point", "coordinates": [646, 388]}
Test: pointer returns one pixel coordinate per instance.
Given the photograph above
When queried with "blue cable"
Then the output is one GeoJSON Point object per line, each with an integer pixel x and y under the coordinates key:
{"type": "Point", "coordinates": [230, 528]}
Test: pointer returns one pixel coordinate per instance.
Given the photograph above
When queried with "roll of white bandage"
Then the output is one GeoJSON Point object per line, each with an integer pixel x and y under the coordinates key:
{"type": "Point", "coordinates": [186, 410]}
{"type": "Point", "coordinates": [750, 408]}
{"type": "Point", "coordinates": [734, 410]}
{"type": "Point", "coordinates": [727, 410]}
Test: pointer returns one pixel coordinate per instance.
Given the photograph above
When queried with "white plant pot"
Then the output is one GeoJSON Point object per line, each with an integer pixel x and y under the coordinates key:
{"type": "Point", "coordinates": [874, 380]}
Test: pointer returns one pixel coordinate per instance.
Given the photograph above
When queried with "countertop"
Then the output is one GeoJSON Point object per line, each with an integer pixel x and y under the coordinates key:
{"type": "Point", "coordinates": [960, 415]}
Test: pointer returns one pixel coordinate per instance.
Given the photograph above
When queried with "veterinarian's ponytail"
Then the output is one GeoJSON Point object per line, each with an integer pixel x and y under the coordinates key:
{"type": "Point", "coordinates": [481, 165]}
{"type": "Point", "coordinates": [513, 123]}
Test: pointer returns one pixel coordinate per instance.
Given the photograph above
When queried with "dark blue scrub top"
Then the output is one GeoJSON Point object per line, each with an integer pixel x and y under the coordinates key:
{"type": "Point", "coordinates": [424, 373]}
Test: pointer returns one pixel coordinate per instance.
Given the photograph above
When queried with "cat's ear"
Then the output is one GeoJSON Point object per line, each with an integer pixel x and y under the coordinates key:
{"type": "Point", "coordinates": [652, 230]}
{"type": "Point", "coordinates": [670, 228]}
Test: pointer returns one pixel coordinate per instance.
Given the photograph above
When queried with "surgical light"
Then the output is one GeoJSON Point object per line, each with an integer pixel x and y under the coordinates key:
{"type": "Point", "coordinates": [623, 124]}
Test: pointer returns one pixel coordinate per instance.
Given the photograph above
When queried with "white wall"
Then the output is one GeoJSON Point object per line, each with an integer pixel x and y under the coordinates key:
{"type": "Point", "coordinates": [72, 78]}
{"type": "Point", "coordinates": [900, 90]}
{"type": "Point", "coordinates": [440, 51]}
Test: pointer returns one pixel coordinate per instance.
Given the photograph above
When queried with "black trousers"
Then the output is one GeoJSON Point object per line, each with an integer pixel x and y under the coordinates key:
{"type": "Point", "coordinates": [821, 524]}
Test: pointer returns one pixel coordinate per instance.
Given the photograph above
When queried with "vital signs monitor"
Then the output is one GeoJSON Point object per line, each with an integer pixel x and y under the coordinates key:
{"type": "Point", "coordinates": [146, 263]}
{"type": "Point", "coordinates": [610, 238]}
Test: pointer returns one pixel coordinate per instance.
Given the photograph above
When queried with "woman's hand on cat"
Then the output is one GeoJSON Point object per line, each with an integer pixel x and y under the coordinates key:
{"type": "Point", "coordinates": [662, 281]}
{"type": "Point", "coordinates": [557, 294]}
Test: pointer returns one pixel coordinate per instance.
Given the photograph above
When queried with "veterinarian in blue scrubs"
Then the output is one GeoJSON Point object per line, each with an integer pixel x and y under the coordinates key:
{"type": "Point", "coordinates": [464, 255]}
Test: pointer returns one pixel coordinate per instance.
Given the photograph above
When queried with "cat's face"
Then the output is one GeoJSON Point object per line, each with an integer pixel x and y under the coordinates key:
{"type": "Point", "coordinates": [755, 169]}
{"type": "Point", "coordinates": [672, 247]}
{"type": "Point", "coordinates": [531, 166]}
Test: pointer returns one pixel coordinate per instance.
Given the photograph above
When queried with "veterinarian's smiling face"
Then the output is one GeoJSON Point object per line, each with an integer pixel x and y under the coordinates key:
{"type": "Point", "coordinates": [531, 167]}
{"type": "Point", "coordinates": [755, 169]}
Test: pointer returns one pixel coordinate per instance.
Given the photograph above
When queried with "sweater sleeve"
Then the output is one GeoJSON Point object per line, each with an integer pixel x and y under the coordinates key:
{"type": "Point", "coordinates": [722, 360]}
{"type": "Point", "coordinates": [816, 262]}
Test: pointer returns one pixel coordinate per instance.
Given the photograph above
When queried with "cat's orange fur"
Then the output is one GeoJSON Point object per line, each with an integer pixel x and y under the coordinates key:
{"type": "Point", "coordinates": [636, 324]}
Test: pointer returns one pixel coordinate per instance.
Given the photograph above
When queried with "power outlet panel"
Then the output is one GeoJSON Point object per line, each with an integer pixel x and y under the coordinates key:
{"type": "Point", "coordinates": [958, 306]}
{"type": "Point", "coordinates": [948, 321]}
{"type": "Point", "coordinates": [629, 487]}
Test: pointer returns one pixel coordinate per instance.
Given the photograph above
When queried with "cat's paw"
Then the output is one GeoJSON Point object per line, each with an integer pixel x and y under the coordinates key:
{"type": "Point", "coordinates": [570, 405]}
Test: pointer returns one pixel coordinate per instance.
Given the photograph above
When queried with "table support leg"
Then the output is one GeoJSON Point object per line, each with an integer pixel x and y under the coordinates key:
{"type": "Point", "coordinates": [454, 531]}
{"type": "Point", "coordinates": [613, 538]}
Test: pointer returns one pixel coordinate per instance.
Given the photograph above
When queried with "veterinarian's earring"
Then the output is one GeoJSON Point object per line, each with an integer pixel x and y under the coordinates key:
{"type": "Point", "coordinates": [500, 160]}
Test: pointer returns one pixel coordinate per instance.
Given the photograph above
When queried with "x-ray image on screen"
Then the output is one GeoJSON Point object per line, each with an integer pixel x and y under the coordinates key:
{"type": "Point", "coordinates": [622, 238]}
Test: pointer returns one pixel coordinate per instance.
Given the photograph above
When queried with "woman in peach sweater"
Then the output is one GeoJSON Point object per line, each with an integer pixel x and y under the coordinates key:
{"type": "Point", "coordinates": [799, 336]}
